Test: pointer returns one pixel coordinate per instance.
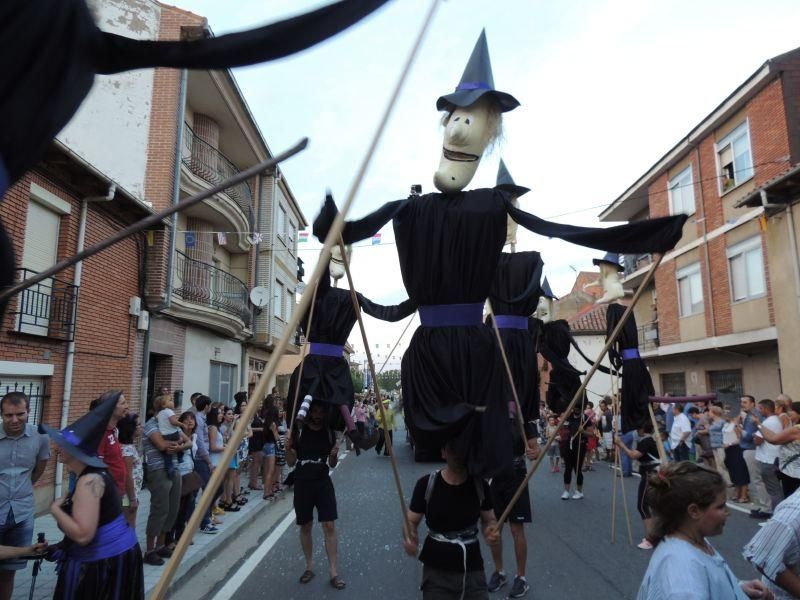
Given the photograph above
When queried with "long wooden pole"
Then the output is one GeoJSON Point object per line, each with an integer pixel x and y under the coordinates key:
{"type": "Point", "coordinates": [662, 453]}
{"type": "Point", "coordinates": [581, 390]}
{"type": "Point", "coordinates": [621, 477]}
{"type": "Point", "coordinates": [154, 219]}
{"type": "Point", "coordinates": [335, 231]}
{"type": "Point", "coordinates": [509, 374]}
{"type": "Point", "coordinates": [617, 461]}
{"type": "Point", "coordinates": [397, 343]}
{"type": "Point", "coordinates": [389, 445]}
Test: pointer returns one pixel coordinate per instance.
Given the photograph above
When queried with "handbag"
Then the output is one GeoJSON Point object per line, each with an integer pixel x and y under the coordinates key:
{"type": "Point", "coordinates": [190, 483]}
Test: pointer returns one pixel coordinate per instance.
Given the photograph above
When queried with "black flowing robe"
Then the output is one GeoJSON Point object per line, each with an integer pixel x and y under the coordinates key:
{"type": "Point", "coordinates": [327, 378]}
{"type": "Point", "coordinates": [637, 386]}
{"type": "Point", "coordinates": [449, 246]}
{"type": "Point", "coordinates": [555, 341]}
{"type": "Point", "coordinates": [515, 291]}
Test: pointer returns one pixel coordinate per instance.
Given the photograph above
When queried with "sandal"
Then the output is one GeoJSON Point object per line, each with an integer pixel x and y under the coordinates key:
{"type": "Point", "coordinates": [306, 576]}
{"type": "Point", "coordinates": [337, 583]}
{"type": "Point", "coordinates": [269, 497]}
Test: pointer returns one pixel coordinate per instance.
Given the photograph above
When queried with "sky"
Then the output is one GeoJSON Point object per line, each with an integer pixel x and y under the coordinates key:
{"type": "Point", "coordinates": [606, 88]}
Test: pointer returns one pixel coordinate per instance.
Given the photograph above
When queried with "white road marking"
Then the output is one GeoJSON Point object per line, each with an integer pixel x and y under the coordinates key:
{"type": "Point", "coordinates": [236, 580]}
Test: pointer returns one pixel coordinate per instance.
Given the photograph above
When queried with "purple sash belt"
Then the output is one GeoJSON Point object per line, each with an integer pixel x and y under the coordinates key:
{"type": "Point", "coordinates": [451, 315]}
{"type": "Point", "coordinates": [111, 539]}
{"type": "Point", "coordinates": [321, 349]}
{"type": "Point", "coordinates": [630, 354]}
{"type": "Point", "coordinates": [511, 322]}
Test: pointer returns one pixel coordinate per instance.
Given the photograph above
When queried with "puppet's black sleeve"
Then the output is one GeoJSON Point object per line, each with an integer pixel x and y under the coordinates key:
{"type": "Point", "coordinates": [357, 230]}
{"type": "Point", "coordinates": [386, 313]}
{"type": "Point", "coordinates": [114, 53]}
{"type": "Point", "coordinates": [651, 235]}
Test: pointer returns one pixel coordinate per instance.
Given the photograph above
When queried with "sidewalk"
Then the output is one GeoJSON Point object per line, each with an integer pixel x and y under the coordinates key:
{"type": "Point", "coordinates": [204, 548]}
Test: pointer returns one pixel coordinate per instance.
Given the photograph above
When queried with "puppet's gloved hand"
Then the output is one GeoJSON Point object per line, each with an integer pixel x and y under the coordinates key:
{"type": "Point", "coordinates": [325, 218]}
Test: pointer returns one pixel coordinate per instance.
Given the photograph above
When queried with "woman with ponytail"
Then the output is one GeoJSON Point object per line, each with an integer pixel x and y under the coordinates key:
{"type": "Point", "coordinates": [688, 503]}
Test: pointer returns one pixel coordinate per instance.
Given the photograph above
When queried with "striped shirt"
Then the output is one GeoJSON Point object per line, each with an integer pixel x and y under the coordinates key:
{"type": "Point", "coordinates": [776, 547]}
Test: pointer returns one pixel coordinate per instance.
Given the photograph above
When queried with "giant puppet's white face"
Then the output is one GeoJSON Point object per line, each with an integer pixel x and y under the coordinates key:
{"type": "Point", "coordinates": [611, 284]}
{"type": "Point", "coordinates": [467, 133]}
{"type": "Point", "coordinates": [336, 266]}
{"type": "Point", "coordinates": [544, 310]}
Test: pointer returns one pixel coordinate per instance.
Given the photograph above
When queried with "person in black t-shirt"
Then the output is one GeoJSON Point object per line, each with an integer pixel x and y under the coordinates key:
{"type": "Point", "coordinates": [452, 503]}
{"type": "Point", "coordinates": [646, 453]}
{"type": "Point", "coordinates": [313, 449]}
{"type": "Point", "coordinates": [504, 486]}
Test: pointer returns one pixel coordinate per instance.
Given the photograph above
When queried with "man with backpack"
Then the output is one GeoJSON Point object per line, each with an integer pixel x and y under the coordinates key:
{"type": "Point", "coordinates": [452, 503]}
{"type": "Point", "coordinates": [313, 449]}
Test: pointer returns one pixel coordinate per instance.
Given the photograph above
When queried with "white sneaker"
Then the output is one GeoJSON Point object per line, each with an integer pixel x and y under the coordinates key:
{"type": "Point", "coordinates": [565, 495]}
{"type": "Point", "coordinates": [577, 495]}
{"type": "Point", "coordinates": [645, 544]}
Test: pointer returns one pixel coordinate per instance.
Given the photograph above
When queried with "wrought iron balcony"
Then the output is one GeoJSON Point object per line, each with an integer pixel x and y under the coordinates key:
{"type": "Point", "coordinates": [208, 163]}
{"type": "Point", "coordinates": [634, 262]}
{"type": "Point", "coordinates": [46, 308]}
{"type": "Point", "coordinates": [648, 336]}
{"type": "Point", "coordinates": [200, 283]}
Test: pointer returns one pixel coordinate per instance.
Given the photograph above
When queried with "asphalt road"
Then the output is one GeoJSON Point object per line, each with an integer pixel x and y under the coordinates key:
{"type": "Point", "coordinates": [570, 551]}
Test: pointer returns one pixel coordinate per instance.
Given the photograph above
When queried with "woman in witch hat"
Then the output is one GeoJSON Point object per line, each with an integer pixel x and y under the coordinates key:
{"type": "Point", "coordinates": [99, 556]}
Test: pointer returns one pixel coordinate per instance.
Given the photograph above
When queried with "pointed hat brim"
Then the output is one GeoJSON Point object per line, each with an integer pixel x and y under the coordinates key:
{"type": "Point", "coordinates": [75, 451]}
{"type": "Point", "coordinates": [462, 98]}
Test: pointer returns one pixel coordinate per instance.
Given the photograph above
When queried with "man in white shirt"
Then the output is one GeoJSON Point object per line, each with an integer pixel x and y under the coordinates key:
{"type": "Point", "coordinates": [679, 434]}
{"type": "Point", "coordinates": [766, 455]}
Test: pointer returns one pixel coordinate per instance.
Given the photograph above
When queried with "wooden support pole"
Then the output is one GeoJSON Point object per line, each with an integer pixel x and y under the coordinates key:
{"type": "Point", "coordinates": [582, 389]}
{"type": "Point", "coordinates": [662, 453]}
{"type": "Point", "coordinates": [203, 504]}
{"type": "Point", "coordinates": [302, 359]}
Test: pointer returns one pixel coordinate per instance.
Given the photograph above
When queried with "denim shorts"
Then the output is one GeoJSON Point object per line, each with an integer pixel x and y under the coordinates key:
{"type": "Point", "coordinates": [15, 534]}
{"type": "Point", "coordinates": [269, 449]}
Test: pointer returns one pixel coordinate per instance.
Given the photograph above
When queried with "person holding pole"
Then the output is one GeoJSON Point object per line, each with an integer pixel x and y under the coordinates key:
{"type": "Point", "coordinates": [646, 452]}
{"type": "Point", "coordinates": [313, 449]}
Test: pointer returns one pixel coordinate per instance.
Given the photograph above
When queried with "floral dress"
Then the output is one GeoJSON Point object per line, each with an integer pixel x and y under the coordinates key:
{"type": "Point", "coordinates": [138, 472]}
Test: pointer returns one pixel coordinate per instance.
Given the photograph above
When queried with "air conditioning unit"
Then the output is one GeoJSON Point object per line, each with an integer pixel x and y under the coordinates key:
{"type": "Point", "coordinates": [144, 321]}
{"type": "Point", "coordinates": [134, 306]}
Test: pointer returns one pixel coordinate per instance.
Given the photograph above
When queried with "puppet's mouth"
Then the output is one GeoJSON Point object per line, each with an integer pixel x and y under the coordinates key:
{"type": "Point", "coordinates": [459, 156]}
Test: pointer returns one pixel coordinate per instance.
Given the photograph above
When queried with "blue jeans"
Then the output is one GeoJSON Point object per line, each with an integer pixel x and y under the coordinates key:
{"type": "Point", "coordinates": [202, 469]}
{"type": "Point", "coordinates": [18, 535]}
{"type": "Point", "coordinates": [627, 465]}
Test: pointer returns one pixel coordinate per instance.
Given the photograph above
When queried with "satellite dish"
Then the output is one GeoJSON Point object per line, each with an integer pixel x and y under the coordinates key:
{"type": "Point", "coordinates": [259, 296]}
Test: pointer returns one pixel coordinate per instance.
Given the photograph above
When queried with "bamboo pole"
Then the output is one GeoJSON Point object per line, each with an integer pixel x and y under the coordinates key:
{"type": "Point", "coordinates": [581, 390]}
{"type": "Point", "coordinates": [617, 470]}
{"type": "Point", "coordinates": [154, 219]}
{"type": "Point", "coordinates": [662, 453]}
{"type": "Point", "coordinates": [508, 372]}
{"type": "Point", "coordinates": [402, 335]}
{"type": "Point", "coordinates": [204, 502]}
{"type": "Point", "coordinates": [389, 445]}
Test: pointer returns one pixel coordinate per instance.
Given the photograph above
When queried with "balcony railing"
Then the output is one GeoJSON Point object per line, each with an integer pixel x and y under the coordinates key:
{"type": "Point", "coordinates": [210, 164]}
{"type": "Point", "coordinates": [207, 285]}
{"type": "Point", "coordinates": [46, 308]}
{"type": "Point", "coordinates": [634, 262]}
{"type": "Point", "coordinates": [648, 336]}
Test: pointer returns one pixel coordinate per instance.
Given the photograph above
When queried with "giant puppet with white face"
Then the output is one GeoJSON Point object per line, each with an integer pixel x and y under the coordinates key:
{"type": "Point", "coordinates": [449, 245]}
{"type": "Point", "coordinates": [609, 279]}
{"type": "Point", "coordinates": [336, 266]}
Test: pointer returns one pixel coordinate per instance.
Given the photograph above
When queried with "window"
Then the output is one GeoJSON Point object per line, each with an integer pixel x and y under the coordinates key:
{"type": "Point", "coordinates": [746, 266]}
{"type": "Point", "coordinates": [289, 305]}
{"type": "Point", "coordinates": [729, 380]}
{"type": "Point", "coordinates": [281, 225]}
{"type": "Point", "coordinates": [734, 158]}
{"type": "Point", "coordinates": [673, 384]}
{"type": "Point", "coordinates": [292, 241]}
{"type": "Point", "coordinates": [681, 193]}
{"type": "Point", "coordinates": [223, 382]}
{"type": "Point", "coordinates": [690, 290]}
{"type": "Point", "coordinates": [277, 300]}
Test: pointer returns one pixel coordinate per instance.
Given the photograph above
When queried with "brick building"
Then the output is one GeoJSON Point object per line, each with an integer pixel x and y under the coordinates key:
{"type": "Point", "coordinates": [709, 322]}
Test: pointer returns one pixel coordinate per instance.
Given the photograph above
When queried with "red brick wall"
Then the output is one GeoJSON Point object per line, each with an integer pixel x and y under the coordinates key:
{"type": "Point", "coordinates": [667, 303]}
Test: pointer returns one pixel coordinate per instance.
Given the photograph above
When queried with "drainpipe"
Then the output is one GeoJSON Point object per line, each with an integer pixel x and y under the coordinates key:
{"type": "Point", "coordinates": [705, 244]}
{"type": "Point", "coordinates": [69, 365]}
{"type": "Point", "coordinates": [176, 190]}
{"type": "Point", "coordinates": [793, 244]}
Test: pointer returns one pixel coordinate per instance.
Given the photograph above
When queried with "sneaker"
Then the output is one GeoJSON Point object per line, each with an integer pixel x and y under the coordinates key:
{"type": "Point", "coordinates": [577, 495]}
{"type": "Point", "coordinates": [519, 589]}
{"type": "Point", "coordinates": [496, 581]}
{"type": "Point", "coordinates": [210, 529]}
{"type": "Point", "coordinates": [645, 544]}
{"type": "Point", "coordinates": [565, 495]}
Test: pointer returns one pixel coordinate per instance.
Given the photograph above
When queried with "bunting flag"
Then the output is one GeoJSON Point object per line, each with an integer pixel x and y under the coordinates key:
{"type": "Point", "coordinates": [376, 239]}
{"type": "Point", "coordinates": [222, 239]}
{"type": "Point", "coordinates": [190, 239]}
{"type": "Point", "coordinates": [303, 237]}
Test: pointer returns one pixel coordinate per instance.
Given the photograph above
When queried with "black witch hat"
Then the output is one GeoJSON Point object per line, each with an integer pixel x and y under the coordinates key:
{"type": "Point", "coordinates": [611, 258]}
{"type": "Point", "coordinates": [506, 183]}
{"type": "Point", "coordinates": [476, 82]}
{"type": "Point", "coordinates": [546, 291]}
{"type": "Point", "coordinates": [82, 438]}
